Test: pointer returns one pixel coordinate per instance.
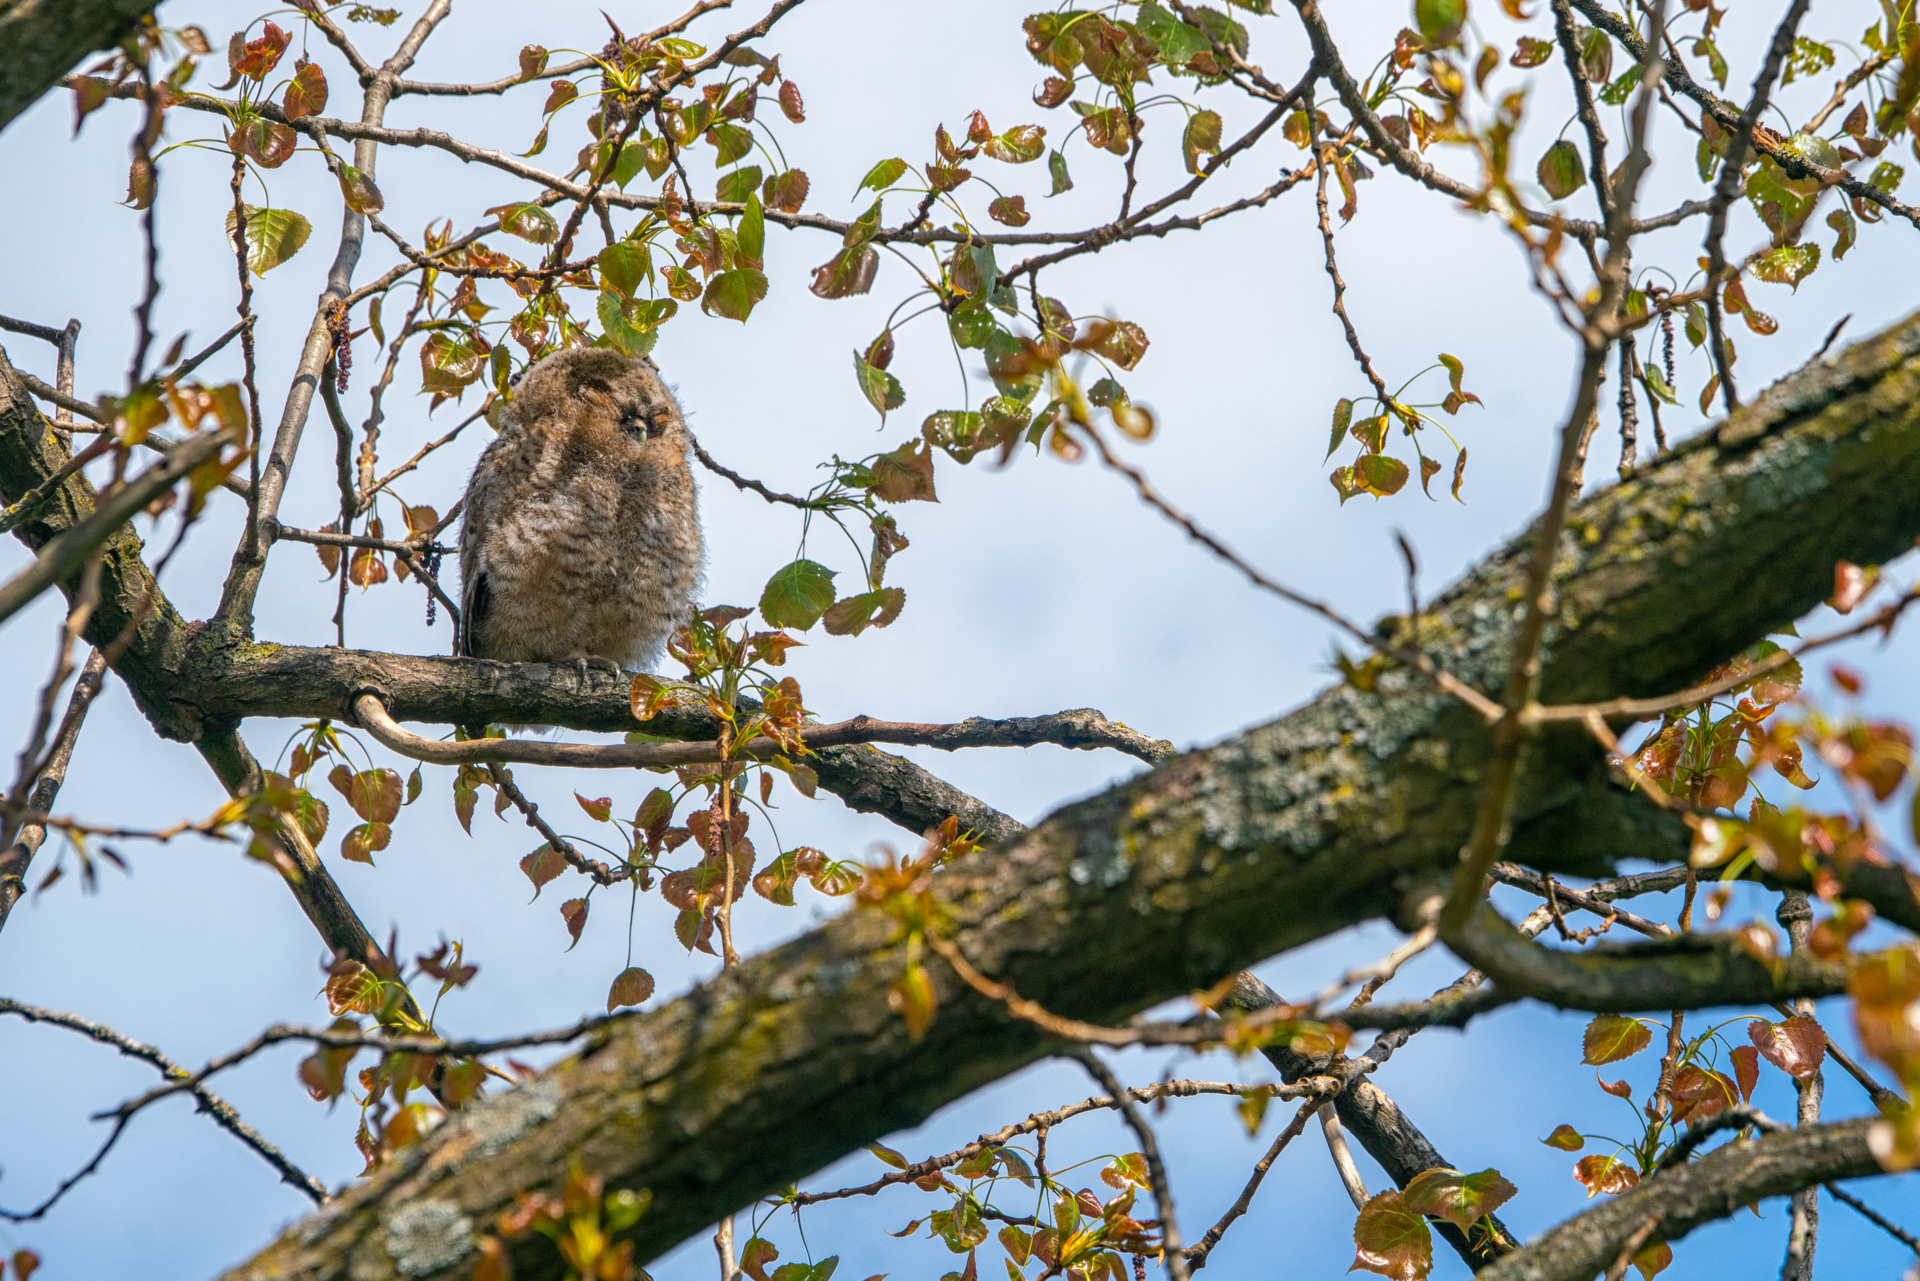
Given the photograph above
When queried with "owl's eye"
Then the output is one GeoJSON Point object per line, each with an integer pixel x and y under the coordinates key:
{"type": "Point", "coordinates": [635, 424]}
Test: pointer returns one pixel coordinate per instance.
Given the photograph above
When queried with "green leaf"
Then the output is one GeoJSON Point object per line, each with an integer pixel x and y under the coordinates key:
{"type": "Point", "coordinates": [882, 175]}
{"type": "Point", "coordinates": [1439, 20]}
{"type": "Point", "coordinates": [1460, 1199]}
{"type": "Point", "coordinates": [529, 222]}
{"type": "Point", "coordinates": [1560, 170]}
{"type": "Point", "coordinates": [854, 614]}
{"type": "Point", "coordinates": [1057, 167]}
{"type": "Point", "coordinates": [972, 326]}
{"type": "Point", "coordinates": [1177, 42]}
{"type": "Point", "coordinates": [633, 158]}
{"type": "Point", "coordinates": [1529, 52]}
{"type": "Point", "coordinates": [272, 236]}
{"type": "Point", "coordinates": [1657, 384]}
{"type": "Point", "coordinates": [1841, 220]}
{"type": "Point", "coordinates": [731, 142]}
{"type": "Point", "coordinates": [732, 294]}
{"type": "Point", "coordinates": [624, 265]}
{"type": "Point", "coordinates": [1380, 474]}
{"type": "Point", "coordinates": [1612, 1037]}
{"type": "Point", "coordinates": [1202, 135]}
{"type": "Point", "coordinates": [957, 432]}
{"type": "Point", "coordinates": [752, 232]}
{"type": "Point", "coordinates": [1596, 56]}
{"type": "Point", "coordinates": [1565, 1138]}
{"type": "Point", "coordinates": [735, 187]}
{"type": "Point", "coordinates": [1616, 93]}
{"type": "Point", "coordinates": [1342, 420]}
{"type": "Point", "coordinates": [882, 389]}
{"type": "Point", "coordinates": [797, 595]}
{"type": "Point", "coordinates": [1787, 265]}
{"type": "Point", "coordinates": [1391, 1240]}
{"type": "Point", "coordinates": [359, 192]}
{"type": "Point", "coordinates": [1017, 145]}
{"type": "Point", "coordinates": [1697, 327]}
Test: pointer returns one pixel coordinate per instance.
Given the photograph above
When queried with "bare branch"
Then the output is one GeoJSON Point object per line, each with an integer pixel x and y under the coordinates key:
{"type": "Point", "coordinates": [51, 773]}
{"type": "Point", "coordinates": [212, 1104]}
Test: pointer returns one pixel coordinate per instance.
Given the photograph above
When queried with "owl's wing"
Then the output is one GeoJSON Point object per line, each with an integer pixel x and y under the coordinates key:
{"type": "Point", "coordinates": [476, 597]}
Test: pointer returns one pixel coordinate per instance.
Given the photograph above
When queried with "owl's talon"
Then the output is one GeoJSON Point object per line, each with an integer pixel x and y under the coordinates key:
{"type": "Point", "coordinates": [594, 662]}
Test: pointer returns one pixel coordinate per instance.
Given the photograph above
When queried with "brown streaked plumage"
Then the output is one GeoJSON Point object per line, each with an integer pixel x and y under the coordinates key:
{"type": "Point", "coordinates": [580, 541]}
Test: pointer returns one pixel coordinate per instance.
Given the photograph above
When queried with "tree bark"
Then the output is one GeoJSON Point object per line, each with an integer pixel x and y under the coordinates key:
{"type": "Point", "coordinates": [1221, 857]}
{"type": "Point", "coordinates": [1682, 1199]}
{"type": "Point", "coordinates": [44, 38]}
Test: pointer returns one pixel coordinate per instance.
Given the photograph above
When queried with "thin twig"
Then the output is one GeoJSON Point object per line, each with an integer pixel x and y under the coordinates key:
{"type": "Point", "coordinates": [1732, 170]}
{"type": "Point", "coordinates": [1178, 1266]}
{"type": "Point", "coordinates": [219, 1109]}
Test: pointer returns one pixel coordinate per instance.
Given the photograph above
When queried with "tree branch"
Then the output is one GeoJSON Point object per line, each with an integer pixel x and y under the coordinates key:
{"type": "Point", "coordinates": [1679, 1200]}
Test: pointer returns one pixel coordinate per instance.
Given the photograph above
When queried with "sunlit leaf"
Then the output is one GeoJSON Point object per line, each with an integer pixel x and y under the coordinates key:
{"type": "Point", "coordinates": [1460, 1199]}
{"type": "Point", "coordinates": [1607, 1175]}
{"type": "Point", "coordinates": [1796, 1046]}
{"type": "Point", "coordinates": [306, 93]}
{"type": "Point", "coordinates": [1565, 1138]}
{"type": "Point", "coordinates": [1612, 1037]}
{"type": "Point", "coordinates": [272, 236]}
{"type": "Point", "coordinates": [1392, 1240]}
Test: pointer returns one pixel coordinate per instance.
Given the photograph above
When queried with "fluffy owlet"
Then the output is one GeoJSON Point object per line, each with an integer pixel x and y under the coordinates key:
{"type": "Point", "coordinates": [581, 539]}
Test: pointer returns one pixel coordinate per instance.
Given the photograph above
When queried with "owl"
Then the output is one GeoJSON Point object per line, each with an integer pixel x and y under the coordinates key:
{"type": "Point", "coordinates": [580, 541]}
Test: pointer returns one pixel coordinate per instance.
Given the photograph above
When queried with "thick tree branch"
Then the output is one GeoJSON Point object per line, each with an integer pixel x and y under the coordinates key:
{"type": "Point", "coordinates": [1684, 972]}
{"type": "Point", "coordinates": [1680, 1200]}
{"type": "Point", "coordinates": [44, 38]}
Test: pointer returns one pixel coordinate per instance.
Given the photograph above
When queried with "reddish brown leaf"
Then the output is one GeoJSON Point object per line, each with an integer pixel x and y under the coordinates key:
{"type": "Point", "coordinates": [307, 92]}
{"type": "Point", "coordinates": [1851, 583]}
{"type": "Point", "coordinates": [1796, 1046]}
{"type": "Point", "coordinates": [574, 913]}
{"type": "Point", "coordinates": [630, 987]}
{"type": "Point", "coordinates": [1607, 1175]}
{"type": "Point", "coordinates": [542, 866]}
{"type": "Point", "coordinates": [1699, 1093]}
{"type": "Point", "coordinates": [1746, 1069]}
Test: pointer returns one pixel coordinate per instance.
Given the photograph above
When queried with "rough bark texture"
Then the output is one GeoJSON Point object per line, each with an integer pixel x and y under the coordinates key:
{"type": "Point", "coordinates": [44, 38]}
{"type": "Point", "coordinates": [1280, 835]}
{"type": "Point", "coordinates": [1691, 1195]}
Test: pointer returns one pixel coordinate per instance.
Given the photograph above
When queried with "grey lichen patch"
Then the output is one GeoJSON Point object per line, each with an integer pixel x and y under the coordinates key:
{"type": "Point", "coordinates": [499, 1121]}
{"type": "Point", "coordinates": [1795, 469]}
{"type": "Point", "coordinates": [428, 1237]}
{"type": "Point", "coordinates": [831, 977]}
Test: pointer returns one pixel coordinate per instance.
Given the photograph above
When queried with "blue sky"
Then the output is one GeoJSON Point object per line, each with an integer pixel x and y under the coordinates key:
{"type": "Point", "coordinates": [1032, 589]}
